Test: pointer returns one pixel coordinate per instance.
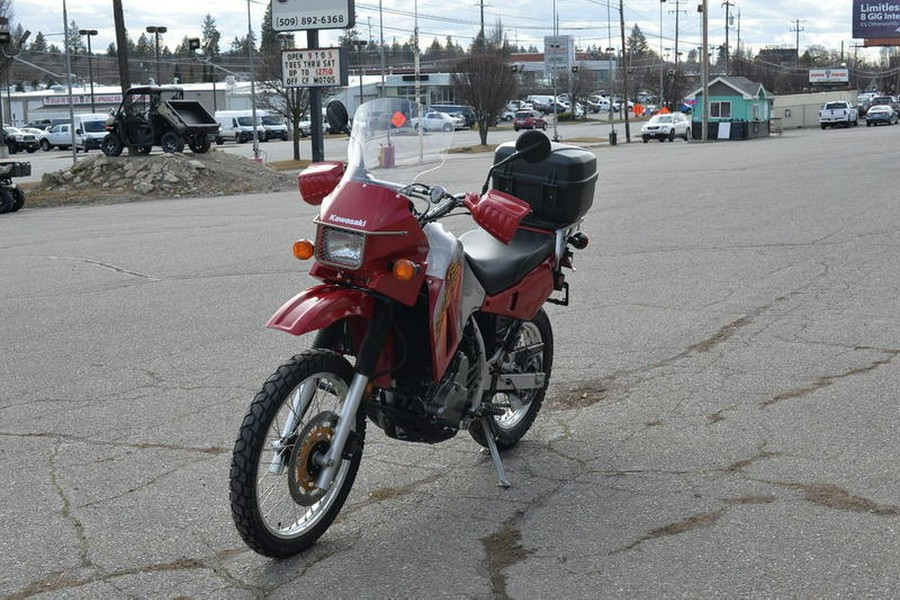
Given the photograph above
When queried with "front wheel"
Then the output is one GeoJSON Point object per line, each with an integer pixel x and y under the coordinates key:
{"type": "Point", "coordinates": [277, 508]}
{"type": "Point", "coordinates": [533, 353]}
{"type": "Point", "coordinates": [111, 145]}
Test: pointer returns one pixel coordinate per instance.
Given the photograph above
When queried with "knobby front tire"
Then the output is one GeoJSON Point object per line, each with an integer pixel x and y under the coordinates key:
{"type": "Point", "coordinates": [274, 504]}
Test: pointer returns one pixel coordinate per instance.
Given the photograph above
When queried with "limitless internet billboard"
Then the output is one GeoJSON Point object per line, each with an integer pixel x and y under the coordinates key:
{"type": "Point", "coordinates": [876, 18]}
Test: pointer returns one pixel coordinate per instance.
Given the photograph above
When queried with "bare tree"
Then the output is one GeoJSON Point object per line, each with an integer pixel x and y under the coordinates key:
{"type": "Point", "coordinates": [485, 82]}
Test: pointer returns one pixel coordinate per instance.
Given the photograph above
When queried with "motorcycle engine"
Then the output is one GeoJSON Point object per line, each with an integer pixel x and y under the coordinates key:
{"type": "Point", "coordinates": [456, 393]}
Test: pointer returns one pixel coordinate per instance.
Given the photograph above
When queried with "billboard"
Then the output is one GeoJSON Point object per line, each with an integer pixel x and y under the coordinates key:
{"type": "Point", "coordinates": [876, 18]}
{"type": "Point", "coordinates": [829, 75]}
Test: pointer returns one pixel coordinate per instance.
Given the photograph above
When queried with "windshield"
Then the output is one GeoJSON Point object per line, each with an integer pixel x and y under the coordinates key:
{"type": "Point", "coordinates": [94, 126]}
{"type": "Point", "coordinates": [387, 144]}
{"type": "Point", "coordinates": [272, 120]}
{"type": "Point", "coordinates": [661, 119]}
{"type": "Point", "coordinates": [245, 121]}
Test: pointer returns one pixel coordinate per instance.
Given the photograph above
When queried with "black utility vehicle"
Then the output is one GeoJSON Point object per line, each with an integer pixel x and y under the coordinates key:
{"type": "Point", "coordinates": [158, 116]}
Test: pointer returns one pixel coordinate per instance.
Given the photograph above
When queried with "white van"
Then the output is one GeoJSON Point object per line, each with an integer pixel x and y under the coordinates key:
{"type": "Point", "coordinates": [90, 129]}
{"type": "Point", "coordinates": [276, 128]}
{"type": "Point", "coordinates": [237, 126]}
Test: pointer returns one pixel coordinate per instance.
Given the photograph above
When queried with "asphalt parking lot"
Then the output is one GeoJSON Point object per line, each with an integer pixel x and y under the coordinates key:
{"type": "Point", "coordinates": [721, 420]}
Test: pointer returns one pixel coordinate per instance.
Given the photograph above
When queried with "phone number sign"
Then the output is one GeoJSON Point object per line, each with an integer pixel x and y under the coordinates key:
{"type": "Point", "coordinates": [319, 67]}
{"type": "Point", "coordinates": [296, 15]}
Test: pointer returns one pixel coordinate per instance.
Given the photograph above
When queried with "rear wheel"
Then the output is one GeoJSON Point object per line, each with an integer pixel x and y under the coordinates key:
{"type": "Point", "coordinates": [276, 506]}
{"type": "Point", "coordinates": [6, 200]}
{"type": "Point", "coordinates": [111, 145]}
{"type": "Point", "coordinates": [199, 143]}
{"type": "Point", "coordinates": [18, 199]}
{"type": "Point", "coordinates": [533, 353]}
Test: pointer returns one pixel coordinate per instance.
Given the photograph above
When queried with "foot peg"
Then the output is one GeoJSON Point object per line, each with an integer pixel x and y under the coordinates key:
{"type": "Point", "coordinates": [502, 481]}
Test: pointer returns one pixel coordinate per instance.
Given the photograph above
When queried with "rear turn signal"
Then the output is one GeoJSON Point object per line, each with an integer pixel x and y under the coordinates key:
{"type": "Point", "coordinates": [405, 269]}
{"type": "Point", "coordinates": [304, 249]}
{"type": "Point", "coordinates": [579, 240]}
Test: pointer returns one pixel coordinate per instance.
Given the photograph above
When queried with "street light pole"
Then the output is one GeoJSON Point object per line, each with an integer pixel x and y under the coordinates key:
{"type": "Point", "coordinates": [662, 63]}
{"type": "Point", "coordinates": [359, 46]}
{"type": "Point", "coordinates": [156, 30]}
{"type": "Point", "coordinates": [88, 33]}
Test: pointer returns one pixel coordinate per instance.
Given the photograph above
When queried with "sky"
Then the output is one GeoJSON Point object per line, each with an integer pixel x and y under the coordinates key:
{"type": "Point", "coordinates": [759, 23]}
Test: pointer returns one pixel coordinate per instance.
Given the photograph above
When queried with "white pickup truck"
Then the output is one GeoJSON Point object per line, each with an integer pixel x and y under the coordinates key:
{"type": "Point", "coordinates": [838, 113]}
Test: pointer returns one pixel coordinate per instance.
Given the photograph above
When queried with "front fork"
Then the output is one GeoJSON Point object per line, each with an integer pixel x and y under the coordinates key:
{"type": "Point", "coordinates": [366, 361]}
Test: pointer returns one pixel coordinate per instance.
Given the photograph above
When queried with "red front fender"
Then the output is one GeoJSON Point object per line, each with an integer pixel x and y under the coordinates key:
{"type": "Point", "coordinates": [320, 306]}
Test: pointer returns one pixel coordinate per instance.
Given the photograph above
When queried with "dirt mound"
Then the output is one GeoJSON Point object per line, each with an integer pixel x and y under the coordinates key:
{"type": "Point", "coordinates": [107, 179]}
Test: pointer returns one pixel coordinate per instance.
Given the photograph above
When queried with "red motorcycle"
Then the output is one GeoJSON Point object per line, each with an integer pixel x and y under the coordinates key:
{"type": "Point", "coordinates": [417, 331]}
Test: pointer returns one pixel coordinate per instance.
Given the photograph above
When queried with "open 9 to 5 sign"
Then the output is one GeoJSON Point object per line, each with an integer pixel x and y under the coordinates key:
{"type": "Point", "coordinates": [319, 67]}
{"type": "Point", "coordinates": [296, 15]}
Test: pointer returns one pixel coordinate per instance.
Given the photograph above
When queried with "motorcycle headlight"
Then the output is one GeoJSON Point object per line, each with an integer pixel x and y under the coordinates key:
{"type": "Point", "coordinates": [341, 247]}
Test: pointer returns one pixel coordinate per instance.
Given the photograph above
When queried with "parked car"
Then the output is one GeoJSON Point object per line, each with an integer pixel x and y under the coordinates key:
{"type": "Point", "coordinates": [460, 120]}
{"type": "Point", "coordinates": [879, 114]}
{"type": "Point", "coordinates": [16, 140]}
{"type": "Point", "coordinates": [529, 119]}
{"type": "Point", "coordinates": [597, 103]}
{"type": "Point", "coordinates": [304, 127]}
{"type": "Point", "coordinates": [666, 127]}
{"type": "Point", "coordinates": [885, 100]}
{"type": "Point", "coordinates": [838, 112]}
{"type": "Point", "coordinates": [467, 112]}
{"type": "Point", "coordinates": [436, 121]}
{"type": "Point", "coordinates": [35, 131]}
{"type": "Point", "coordinates": [58, 136]}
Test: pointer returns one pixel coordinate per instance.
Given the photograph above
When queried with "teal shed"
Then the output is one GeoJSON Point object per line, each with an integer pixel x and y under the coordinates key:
{"type": "Point", "coordinates": [739, 109]}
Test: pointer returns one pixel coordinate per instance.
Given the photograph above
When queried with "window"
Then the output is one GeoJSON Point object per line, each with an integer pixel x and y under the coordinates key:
{"type": "Point", "coordinates": [720, 110]}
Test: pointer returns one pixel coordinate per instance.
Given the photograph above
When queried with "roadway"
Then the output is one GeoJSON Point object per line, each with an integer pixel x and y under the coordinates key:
{"type": "Point", "coordinates": [721, 420]}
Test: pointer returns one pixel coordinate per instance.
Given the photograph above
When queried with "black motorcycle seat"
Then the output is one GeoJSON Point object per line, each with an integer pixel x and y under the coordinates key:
{"type": "Point", "coordinates": [499, 266]}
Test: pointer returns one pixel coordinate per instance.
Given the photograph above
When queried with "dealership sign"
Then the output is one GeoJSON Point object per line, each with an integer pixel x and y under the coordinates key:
{"type": "Point", "coordinates": [829, 75]}
{"type": "Point", "coordinates": [296, 15]}
{"type": "Point", "coordinates": [63, 100]}
{"type": "Point", "coordinates": [559, 52]}
{"type": "Point", "coordinates": [319, 67]}
{"type": "Point", "coordinates": [876, 18]}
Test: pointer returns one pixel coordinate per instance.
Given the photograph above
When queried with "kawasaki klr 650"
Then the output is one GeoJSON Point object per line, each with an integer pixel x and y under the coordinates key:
{"type": "Point", "coordinates": [418, 332]}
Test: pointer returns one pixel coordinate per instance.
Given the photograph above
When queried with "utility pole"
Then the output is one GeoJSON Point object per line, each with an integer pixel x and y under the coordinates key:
{"type": "Point", "coordinates": [797, 29]}
{"type": "Point", "coordinates": [727, 6]}
{"type": "Point", "coordinates": [662, 63]}
{"type": "Point", "coordinates": [624, 72]}
{"type": "Point", "coordinates": [677, 12]}
{"type": "Point", "coordinates": [704, 72]}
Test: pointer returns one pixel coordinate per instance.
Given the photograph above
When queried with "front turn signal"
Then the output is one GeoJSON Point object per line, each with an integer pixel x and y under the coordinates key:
{"type": "Point", "coordinates": [303, 249]}
{"type": "Point", "coordinates": [405, 269]}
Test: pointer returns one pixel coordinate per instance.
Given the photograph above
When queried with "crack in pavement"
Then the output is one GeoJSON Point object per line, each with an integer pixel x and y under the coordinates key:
{"type": "Point", "coordinates": [688, 524]}
{"type": "Point", "coordinates": [832, 496]}
{"type": "Point", "coordinates": [827, 380]}
{"type": "Point", "coordinates": [108, 266]}
{"type": "Point", "coordinates": [504, 549]}
{"type": "Point", "coordinates": [212, 450]}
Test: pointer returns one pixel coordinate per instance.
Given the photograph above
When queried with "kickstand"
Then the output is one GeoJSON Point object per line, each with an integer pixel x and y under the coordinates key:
{"type": "Point", "coordinates": [502, 481]}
